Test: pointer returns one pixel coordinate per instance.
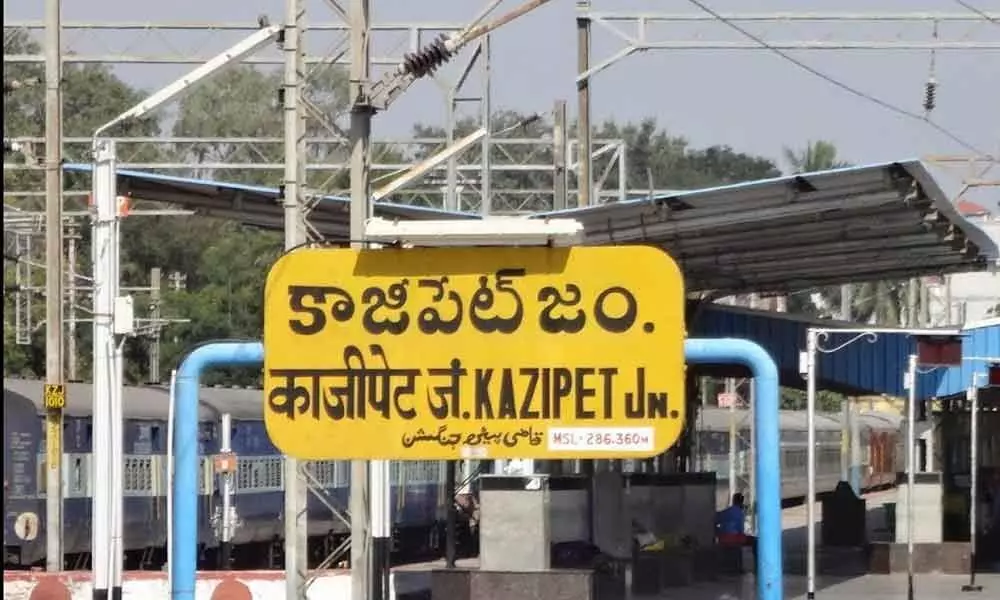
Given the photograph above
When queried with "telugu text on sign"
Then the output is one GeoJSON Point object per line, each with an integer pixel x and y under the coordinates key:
{"type": "Point", "coordinates": [474, 352]}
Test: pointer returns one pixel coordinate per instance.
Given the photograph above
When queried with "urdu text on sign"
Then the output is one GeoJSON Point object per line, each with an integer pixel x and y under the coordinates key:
{"type": "Point", "coordinates": [446, 353]}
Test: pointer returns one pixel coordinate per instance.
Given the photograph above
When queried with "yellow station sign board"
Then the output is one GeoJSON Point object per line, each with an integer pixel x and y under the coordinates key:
{"type": "Point", "coordinates": [447, 353]}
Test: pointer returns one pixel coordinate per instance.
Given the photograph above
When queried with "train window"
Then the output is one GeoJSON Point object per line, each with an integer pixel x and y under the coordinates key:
{"type": "Point", "coordinates": [274, 476]}
{"type": "Point", "coordinates": [342, 473]}
{"type": "Point", "coordinates": [138, 475]}
{"type": "Point", "coordinates": [243, 474]}
{"type": "Point", "coordinates": [259, 473]}
{"type": "Point", "coordinates": [42, 476]}
{"type": "Point", "coordinates": [154, 434]}
{"type": "Point", "coordinates": [794, 436]}
{"type": "Point", "coordinates": [718, 443]}
{"type": "Point", "coordinates": [323, 471]}
{"type": "Point", "coordinates": [201, 477]}
{"type": "Point", "coordinates": [77, 483]}
{"type": "Point", "coordinates": [90, 434]}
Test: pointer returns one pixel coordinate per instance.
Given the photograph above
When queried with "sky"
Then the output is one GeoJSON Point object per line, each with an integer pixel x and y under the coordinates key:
{"type": "Point", "coordinates": [754, 101]}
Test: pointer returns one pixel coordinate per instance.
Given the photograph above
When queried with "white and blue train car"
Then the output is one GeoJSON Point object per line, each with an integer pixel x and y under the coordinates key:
{"type": "Point", "coordinates": [880, 452]}
{"type": "Point", "coordinates": [418, 497]}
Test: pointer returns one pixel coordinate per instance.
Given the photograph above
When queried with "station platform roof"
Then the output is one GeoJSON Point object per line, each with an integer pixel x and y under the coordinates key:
{"type": "Point", "coordinates": [880, 221]}
{"type": "Point", "coordinates": [253, 205]}
{"type": "Point", "coordinates": [883, 221]}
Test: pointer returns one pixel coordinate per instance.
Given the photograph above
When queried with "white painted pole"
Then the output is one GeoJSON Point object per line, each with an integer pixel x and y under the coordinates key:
{"type": "Point", "coordinates": [972, 395]}
{"type": "Point", "coordinates": [855, 471]}
{"type": "Point", "coordinates": [228, 516]}
{"type": "Point", "coordinates": [811, 463]}
{"type": "Point", "coordinates": [103, 361]}
{"type": "Point", "coordinates": [117, 473]}
{"type": "Point", "coordinates": [381, 512]}
{"type": "Point", "coordinates": [973, 461]}
{"type": "Point", "coordinates": [170, 477]}
{"type": "Point", "coordinates": [117, 414]}
{"type": "Point", "coordinates": [910, 469]}
{"type": "Point", "coordinates": [845, 440]}
{"type": "Point", "coordinates": [730, 395]}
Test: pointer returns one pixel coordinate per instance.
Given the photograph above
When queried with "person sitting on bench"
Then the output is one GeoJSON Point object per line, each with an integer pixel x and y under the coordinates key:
{"type": "Point", "coordinates": [730, 524]}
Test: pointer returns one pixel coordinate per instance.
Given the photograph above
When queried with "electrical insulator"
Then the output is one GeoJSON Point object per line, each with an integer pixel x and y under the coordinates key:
{"type": "Point", "coordinates": [930, 95]}
{"type": "Point", "coordinates": [426, 60]}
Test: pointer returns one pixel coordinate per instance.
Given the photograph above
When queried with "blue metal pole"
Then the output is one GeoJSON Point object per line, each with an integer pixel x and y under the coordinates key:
{"type": "Point", "coordinates": [768, 461]}
{"type": "Point", "coordinates": [184, 547]}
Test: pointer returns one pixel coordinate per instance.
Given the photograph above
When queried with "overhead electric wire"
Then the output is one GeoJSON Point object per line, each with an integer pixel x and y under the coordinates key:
{"type": "Point", "coordinates": [978, 11]}
{"type": "Point", "coordinates": [847, 88]}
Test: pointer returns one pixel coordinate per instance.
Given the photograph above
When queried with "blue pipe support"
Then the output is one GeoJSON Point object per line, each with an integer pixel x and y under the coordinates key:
{"type": "Point", "coordinates": [765, 372]}
{"type": "Point", "coordinates": [184, 550]}
{"type": "Point", "coordinates": [767, 459]}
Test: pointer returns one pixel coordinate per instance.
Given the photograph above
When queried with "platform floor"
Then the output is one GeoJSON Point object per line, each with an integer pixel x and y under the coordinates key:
{"type": "Point", "coordinates": [868, 587]}
{"type": "Point", "coordinates": [794, 537]}
{"type": "Point", "coordinates": [831, 561]}
{"type": "Point", "coordinates": [795, 519]}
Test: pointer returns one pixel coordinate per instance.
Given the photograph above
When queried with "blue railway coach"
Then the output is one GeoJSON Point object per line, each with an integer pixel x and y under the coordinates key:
{"type": "Point", "coordinates": [417, 492]}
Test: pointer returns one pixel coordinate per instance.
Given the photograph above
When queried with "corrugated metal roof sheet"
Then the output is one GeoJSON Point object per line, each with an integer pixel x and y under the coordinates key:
{"type": "Point", "coordinates": [873, 222]}
{"type": "Point", "coordinates": [254, 205]}
{"type": "Point", "coordinates": [847, 225]}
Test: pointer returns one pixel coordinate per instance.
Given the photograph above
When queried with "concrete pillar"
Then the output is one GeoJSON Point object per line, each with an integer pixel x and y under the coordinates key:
{"type": "Point", "coordinates": [515, 532]}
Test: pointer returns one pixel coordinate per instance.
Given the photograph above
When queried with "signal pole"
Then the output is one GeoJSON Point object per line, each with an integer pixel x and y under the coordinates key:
{"type": "Point", "coordinates": [71, 362]}
{"type": "Point", "coordinates": [55, 395]}
{"type": "Point", "coordinates": [585, 182]}
{"type": "Point", "coordinates": [360, 141]}
{"type": "Point", "coordinates": [296, 486]}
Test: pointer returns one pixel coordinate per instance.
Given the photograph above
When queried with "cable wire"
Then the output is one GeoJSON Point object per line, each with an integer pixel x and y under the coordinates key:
{"type": "Point", "coordinates": [978, 11]}
{"type": "Point", "coordinates": [847, 88]}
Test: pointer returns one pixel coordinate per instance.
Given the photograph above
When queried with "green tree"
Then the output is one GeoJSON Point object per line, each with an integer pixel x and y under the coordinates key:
{"type": "Point", "coordinates": [816, 156]}
{"type": "Point", "coordinates": [826, 401]}
{"type": "Point", "coordinates": [241, 102]}
{"type": "Point", "coordinates": [224, 298]}
{"type": "Point", "coordinates": [92, 95]}
{"type": "Point", "coordinates": [670, 162]}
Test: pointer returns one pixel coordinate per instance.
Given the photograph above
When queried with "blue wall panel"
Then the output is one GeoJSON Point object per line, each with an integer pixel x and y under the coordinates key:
{"type": "Point", "coordinates": [862, 367]}
{"type": "Point", "coordinates": [982, 341]}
